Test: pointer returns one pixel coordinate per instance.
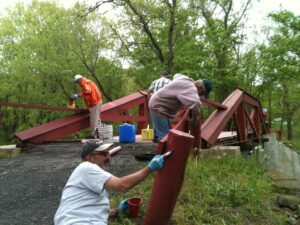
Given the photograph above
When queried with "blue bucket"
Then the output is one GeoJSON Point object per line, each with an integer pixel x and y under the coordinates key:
{"type": "Point", "coordinates": [126, 133]}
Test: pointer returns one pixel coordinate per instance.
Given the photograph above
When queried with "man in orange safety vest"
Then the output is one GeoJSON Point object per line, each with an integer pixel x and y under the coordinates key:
{"type": "Point", "coordinates": [93, 100]}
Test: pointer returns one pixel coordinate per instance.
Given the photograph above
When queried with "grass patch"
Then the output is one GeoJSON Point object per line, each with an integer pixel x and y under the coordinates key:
{"type": "Point", "coordinates": [296, 139]}
{"type": "Point", "coordinates": [296, 145]}
{"type": "Point", "coordinates": [216, 191]}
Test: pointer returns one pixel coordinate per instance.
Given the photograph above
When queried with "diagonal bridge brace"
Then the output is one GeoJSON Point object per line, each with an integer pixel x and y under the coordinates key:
{"type": "Point", "coordinates": [113, 111]}
{"type": "Point", "coordinates": [237, 103]}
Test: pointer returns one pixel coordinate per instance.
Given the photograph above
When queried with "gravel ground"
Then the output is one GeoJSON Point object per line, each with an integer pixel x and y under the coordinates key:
{"type": "Point", "coordinates": [31, 184]}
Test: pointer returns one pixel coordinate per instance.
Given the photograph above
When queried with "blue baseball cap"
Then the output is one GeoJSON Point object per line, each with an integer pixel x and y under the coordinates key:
{"type": "Point", "coordinates": [208, 86]}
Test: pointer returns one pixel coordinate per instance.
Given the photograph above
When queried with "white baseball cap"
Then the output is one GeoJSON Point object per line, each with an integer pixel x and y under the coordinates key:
{"type": "Point", "coordinates": [77, 77]}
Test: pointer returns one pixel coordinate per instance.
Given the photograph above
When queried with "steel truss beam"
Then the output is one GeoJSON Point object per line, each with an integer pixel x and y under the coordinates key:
{"type": "Point", "coordinates": [113, 111]}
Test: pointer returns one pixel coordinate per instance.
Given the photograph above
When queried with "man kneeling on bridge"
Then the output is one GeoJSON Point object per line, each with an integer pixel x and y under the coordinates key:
{"type": "Point", "coordinates": [85, 199]}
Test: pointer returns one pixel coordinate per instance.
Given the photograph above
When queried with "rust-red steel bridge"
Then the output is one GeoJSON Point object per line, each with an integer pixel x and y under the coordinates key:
{"type": "Point", "coordinates": [185, 137]}
{"type": "Point", "coordinates": [241, 107]}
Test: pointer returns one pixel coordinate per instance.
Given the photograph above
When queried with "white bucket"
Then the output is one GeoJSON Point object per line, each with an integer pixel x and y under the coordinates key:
{"type": "Point", "coordinates": [106, 133]}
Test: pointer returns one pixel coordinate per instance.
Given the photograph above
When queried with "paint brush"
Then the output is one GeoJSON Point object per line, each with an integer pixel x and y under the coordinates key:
{"type": "Point", "coordinates": [166, 154]}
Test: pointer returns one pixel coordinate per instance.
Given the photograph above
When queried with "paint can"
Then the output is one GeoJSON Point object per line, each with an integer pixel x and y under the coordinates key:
{"type": "Point", "coordinates": [134, 205]}
{"type": "Point", "coordinates": [105, 133]}
{"type": "Point", "coordinates": [71, 104]}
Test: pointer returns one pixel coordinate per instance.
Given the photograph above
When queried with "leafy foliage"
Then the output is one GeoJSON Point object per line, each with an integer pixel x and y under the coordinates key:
{"type": "Point", "coordinates": [44, 45]}
{"type": "Point", "coordinates": [280, 64]}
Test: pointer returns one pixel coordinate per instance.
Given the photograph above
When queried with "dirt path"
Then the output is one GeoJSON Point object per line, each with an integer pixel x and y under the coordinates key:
{"type": "Point", "coordinates": [31, 184]}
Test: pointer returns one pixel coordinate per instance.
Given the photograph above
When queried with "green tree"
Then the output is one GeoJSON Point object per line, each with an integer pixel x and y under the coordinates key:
{"type": "Point", "coordinates": [199, 38]}
{"type": "Point", "coordinates": [42, 47]}
{"type": "Point", "coordinates": [281, 66]}
{"type": "Point", "coordinates": [222, 32]}
{"type": "Point", "coordinates": [145, 32]}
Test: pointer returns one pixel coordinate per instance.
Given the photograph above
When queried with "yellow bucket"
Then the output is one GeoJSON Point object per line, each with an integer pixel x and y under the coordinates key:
{"type": "Point", "coordinates": [71, 104]}
{"type": "Point", "coordinates": [147, 134]}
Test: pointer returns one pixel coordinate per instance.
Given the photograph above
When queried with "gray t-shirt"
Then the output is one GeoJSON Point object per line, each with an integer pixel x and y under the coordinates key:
{"type": "Point", "coordinates": [181, 92]}
{"type": "Point", "coordinates": [84, 199]}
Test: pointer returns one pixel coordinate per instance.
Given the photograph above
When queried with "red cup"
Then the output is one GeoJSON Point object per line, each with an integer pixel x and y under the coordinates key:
{"type": "Point", "coordinates": [134, 206]}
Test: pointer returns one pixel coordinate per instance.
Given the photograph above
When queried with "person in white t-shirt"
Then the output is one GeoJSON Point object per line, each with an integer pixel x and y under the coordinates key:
{"type": "Point", "coordinates": [159, 83]}
{"type": "Point", "coordinates": [84, 198]}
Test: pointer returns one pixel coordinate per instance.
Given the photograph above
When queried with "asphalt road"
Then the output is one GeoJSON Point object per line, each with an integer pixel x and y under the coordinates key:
{"type": "Point", "coordinates": [31, 184]}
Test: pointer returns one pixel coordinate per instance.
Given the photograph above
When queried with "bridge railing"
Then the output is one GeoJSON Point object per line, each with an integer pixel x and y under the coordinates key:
{"type": "Point", "coordinates": [236, 106]}
{"type": "Point", "coordinates": [131, 108]}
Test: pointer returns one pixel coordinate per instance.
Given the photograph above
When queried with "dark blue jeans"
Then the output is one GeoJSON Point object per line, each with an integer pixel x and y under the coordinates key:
{"type": "Point", "coordinates": [161, 126]}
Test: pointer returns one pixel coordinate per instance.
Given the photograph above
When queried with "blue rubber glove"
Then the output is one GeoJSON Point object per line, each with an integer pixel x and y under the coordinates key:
{"type": "Point", "coordinates": [123, 206]}
{"type": "Point", "coordinates": [74, 97]}
{"type": "Point", "coordinates": [156, 163]}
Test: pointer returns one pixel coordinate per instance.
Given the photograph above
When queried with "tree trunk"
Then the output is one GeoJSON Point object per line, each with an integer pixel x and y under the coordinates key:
{"type": "Point", "coordinates": [289, 128]}
{"type": "Point", "coordinates": [101, 87]}
{"type": "Point", "coordinates": [270, 105]}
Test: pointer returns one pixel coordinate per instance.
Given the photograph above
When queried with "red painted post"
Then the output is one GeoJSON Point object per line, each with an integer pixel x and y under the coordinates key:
{"type": "Point", "coordinates": [142, 112]}
{"type": "Point", "coordinates": [169, 179]}
{"type": "Point", "coordinates": [256, 119]}
{"type": "Point", "coordinates": [267, 127]}
{"type": "Point", "coordinates": [196, 132]}
{"type": "Point", "coordinates": [240, 122]}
